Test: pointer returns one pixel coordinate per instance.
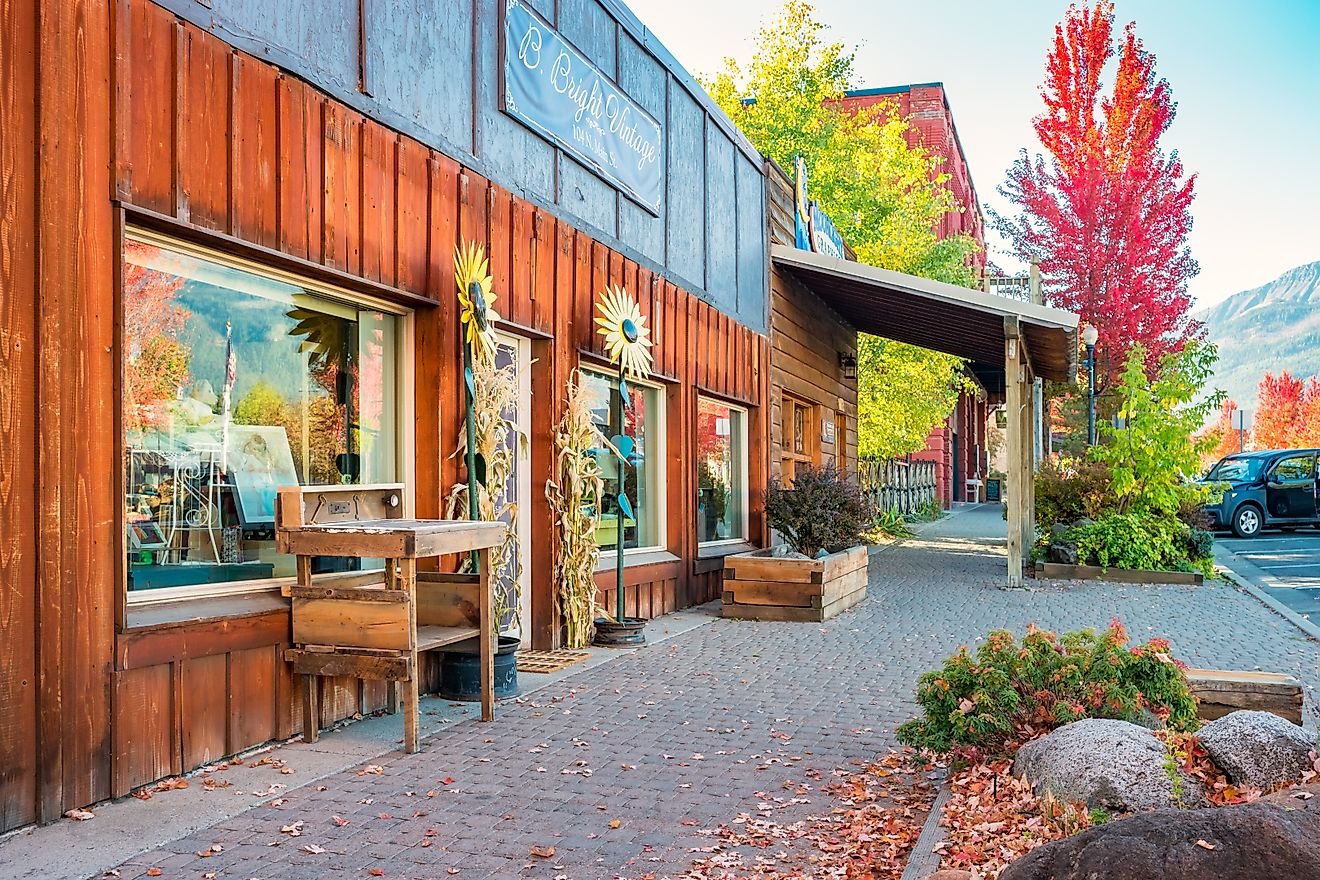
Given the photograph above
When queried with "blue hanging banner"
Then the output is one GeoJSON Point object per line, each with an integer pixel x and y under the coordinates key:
{"type": "Point", "coordinates": [554, 90]}
{"type": "Point", "coordinates": [813, 228]}
{"type": "Point", "coordinates": [825, 239]}
{"type": "Point", "coordinates": [801, 205]}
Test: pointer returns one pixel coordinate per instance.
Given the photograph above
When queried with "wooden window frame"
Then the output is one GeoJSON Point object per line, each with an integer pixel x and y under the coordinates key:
{"type": "Point", "coordinates": [405, 393]}
{"type": "Point", "coordinates": [743, 465]}
{"type": "Point", "coordinates": [658, 478]}
{"type": "Point", "coordinates": [790, 458]}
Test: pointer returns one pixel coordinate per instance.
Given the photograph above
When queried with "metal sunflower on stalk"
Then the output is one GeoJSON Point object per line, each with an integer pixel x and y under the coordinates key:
{"type": "Point", "coordinates": [628, 344]}
{"type": "Point", "coordinates": [627, 341]}
{"type": "Point", "coordinates": [475, 299]}
{"type": "Point", "coordinates": [472, 275]}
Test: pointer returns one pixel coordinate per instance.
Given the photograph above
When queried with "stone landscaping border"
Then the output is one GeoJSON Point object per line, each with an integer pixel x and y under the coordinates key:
{"type": "Point", "coordinates": [1057, 570]}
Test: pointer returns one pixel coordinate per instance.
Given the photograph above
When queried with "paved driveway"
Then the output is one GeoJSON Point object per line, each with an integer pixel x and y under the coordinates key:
{"type": "Point", "coordinates": [1283, 564]}
{"type": "Point", "coordinates": [729, 718]}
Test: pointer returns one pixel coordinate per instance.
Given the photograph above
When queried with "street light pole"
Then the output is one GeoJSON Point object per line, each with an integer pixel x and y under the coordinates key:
{"type": "Point", "coordinates": [1089, 336]}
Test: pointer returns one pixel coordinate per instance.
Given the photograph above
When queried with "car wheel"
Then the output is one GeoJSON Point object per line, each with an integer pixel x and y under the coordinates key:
{"type": "Point", "coordinates": [1247, 521]}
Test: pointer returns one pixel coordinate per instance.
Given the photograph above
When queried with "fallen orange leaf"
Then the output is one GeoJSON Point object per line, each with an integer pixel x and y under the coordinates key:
{"type": "Point", "coordinates": [544, 852]}
{"type": "Point", "coordinates": [615, 823]}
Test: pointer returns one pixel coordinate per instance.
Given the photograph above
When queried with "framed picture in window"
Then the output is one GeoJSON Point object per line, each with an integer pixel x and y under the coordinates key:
{"type": "Point", "coordinates": [259, 461]}
{"type": "Point", "coordinates": [146, 535]}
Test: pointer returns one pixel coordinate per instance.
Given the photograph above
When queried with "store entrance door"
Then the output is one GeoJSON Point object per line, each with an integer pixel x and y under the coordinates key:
{"type": "Point", "coordinates": [516, 350]}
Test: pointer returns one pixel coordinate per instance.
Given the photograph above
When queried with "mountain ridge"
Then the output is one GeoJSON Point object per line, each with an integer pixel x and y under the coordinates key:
{"type": "Point", "coordinates": [1269, 328]}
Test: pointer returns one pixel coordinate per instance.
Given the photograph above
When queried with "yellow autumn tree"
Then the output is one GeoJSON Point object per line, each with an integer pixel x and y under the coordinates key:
{"type": "Point", "coordinates": [886, 198]}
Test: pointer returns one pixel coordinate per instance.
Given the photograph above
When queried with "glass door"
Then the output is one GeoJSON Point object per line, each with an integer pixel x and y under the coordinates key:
{"type": "Point", "coordinates": [515, 351]}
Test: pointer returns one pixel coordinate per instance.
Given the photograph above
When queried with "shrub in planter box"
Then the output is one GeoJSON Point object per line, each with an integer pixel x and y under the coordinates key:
{"type": "Point", "coordinates": [822, 571]}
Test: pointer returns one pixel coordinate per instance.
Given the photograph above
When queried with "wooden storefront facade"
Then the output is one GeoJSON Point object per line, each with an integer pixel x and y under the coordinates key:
{"type": "Point", "coordinates": [129, 120]}
{"type": "Point", "coordinates": [813, 404]}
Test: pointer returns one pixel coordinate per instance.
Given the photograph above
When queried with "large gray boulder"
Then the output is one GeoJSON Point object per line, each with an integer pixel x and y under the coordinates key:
{"type": "Point", "coordinates": [1107, 764]}
{"type": "Point", "coordinates": [1256, 841]}
{"type": "Point", "coordinates": [1258, 749]}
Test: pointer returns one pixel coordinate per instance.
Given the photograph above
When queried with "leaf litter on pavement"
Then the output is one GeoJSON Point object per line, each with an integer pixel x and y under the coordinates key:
{"type": "Point", "coordinates": [874, 817]}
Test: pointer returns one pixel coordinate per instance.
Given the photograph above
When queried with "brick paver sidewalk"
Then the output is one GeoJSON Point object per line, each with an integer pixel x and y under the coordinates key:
{"type": "Point", "coordinates": [695, 731]}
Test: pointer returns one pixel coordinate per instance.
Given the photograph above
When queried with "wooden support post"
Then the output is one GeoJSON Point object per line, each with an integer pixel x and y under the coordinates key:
{"type": "Point", "coordinates": [1038, 428]}
{"type": "Point", "coordinates": [406, 578]}
{"type": "Point", "coordinates": [488, 624]}
{"type": "Point", "coordinates": [1016, 490]}
{"type": "Point", "coordinates": [1028, 449]}
{"type": "Point", "coordinates": [392, 687]}
{"type": "Point", "coordinates": [311, 709]}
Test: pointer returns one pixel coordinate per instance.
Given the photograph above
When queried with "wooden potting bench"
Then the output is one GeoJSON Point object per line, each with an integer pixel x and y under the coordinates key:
{"type": "Point", "coordinates": [373, 624]}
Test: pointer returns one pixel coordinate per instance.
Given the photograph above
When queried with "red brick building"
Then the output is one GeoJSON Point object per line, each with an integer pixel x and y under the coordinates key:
{"type": "Point", "coordinates": [959, 444]}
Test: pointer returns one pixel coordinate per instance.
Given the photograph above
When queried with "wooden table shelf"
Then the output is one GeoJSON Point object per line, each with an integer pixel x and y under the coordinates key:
{"type": "Point", "coordinates": [374, 624]}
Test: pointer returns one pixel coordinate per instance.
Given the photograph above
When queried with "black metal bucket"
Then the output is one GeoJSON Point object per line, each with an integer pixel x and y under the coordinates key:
{"type": "Point", "coordinates": [460, 672]}
{"type": "Point", "coordinates": [626, 633]}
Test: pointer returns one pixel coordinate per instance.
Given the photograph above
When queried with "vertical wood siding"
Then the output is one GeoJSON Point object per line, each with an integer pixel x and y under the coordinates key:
{"type": "Point", "coordinates": [168, 119]}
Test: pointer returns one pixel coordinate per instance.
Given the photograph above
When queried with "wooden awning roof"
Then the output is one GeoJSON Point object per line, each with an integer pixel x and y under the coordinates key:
{"type": "Point", "coordinates": [932, 314]}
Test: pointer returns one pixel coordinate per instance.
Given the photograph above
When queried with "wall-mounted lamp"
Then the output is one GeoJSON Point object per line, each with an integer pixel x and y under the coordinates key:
{"type": "Point", "coordinates": [848, 365]}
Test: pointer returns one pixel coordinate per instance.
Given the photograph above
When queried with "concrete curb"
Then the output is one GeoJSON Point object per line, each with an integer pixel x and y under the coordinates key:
{"type": "Point", "coordinates": [1245, 584]}
{"type": "Point", "coordinates": [923, 860]}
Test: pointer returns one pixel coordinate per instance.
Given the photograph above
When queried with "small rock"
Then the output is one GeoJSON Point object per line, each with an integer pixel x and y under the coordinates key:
{"type": "Point", "coordinates": [1059, 532]}
{"type": "Point", "coordinates": [1082, 522]}
{"type": "Point", "coordinates": [1258, 749]}
{"type": "Point", "coordinates": [1062, 552]}
{"type": "Point", "coordinates": [1107, 764]}
{"type": "Point", "coordinates": [1256, 841]}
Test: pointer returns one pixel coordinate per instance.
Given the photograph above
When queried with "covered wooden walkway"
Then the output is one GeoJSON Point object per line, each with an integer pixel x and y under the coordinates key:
{"type": "Point", "coordinates": [1009, 344]}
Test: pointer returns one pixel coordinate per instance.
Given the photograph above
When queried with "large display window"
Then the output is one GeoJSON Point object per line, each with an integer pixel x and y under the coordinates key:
{"type": "Point", "coordinates": [644, 422]}
{"type": "Point", "coordinates": [721, 472]}
{"type": "Point", "coordinates": [237, 381]}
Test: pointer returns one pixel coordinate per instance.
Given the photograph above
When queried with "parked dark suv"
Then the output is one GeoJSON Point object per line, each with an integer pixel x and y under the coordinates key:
{"type": "Point", "coordinates": [1272, 488]}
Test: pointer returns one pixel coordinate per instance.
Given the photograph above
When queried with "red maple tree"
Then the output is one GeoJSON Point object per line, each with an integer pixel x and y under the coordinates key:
{"type": "Point", "coordinates": [1107, 210]}
{"type": "Point", "coordinates": [1278, 422]}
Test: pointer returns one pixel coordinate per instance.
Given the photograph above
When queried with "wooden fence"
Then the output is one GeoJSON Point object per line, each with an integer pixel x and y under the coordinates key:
{"type": "Point", "coordinates": [890, 483]}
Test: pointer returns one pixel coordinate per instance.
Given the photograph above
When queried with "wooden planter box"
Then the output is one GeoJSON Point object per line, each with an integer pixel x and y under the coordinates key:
{"type": "Point", "coordinates": [758, 586]}
{"type": "Point", "coordinates": [1118, 575]}
{"type": "Point", "coordinates": [1219, 692]}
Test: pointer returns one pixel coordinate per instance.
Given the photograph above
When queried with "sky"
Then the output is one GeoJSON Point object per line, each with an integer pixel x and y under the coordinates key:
{"type": "Point", "coordinates": [1246, 76]}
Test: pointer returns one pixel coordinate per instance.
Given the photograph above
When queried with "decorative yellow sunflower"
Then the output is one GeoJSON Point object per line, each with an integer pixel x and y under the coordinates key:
{"type": "Point", "coordinates": [627, 341]}
{"type": "Point", "coordinates": [475, 297]}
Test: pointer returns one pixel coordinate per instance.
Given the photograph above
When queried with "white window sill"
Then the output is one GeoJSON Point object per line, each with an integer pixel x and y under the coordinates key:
{"type": "Point", "coordinates": [635, 558]}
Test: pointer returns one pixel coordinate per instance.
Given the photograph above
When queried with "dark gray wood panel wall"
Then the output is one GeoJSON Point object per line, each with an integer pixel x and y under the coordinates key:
{"type": "Point", "coordinates": [431, 68]}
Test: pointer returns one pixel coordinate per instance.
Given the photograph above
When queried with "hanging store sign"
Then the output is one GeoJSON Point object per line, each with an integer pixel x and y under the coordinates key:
{"type": "Point", "coordinates": [814, 229]}
{"type": "Point", "coordinates": [553, 89]}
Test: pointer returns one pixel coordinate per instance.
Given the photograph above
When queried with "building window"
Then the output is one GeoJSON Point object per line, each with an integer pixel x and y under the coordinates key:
{"type": "Point", "coordinates": [644, 422]}
{"type": "Point", "coordinates": [721, 472]}
{"type": "Point", "coordinates": [799, 433]}
{"type": "Point", "coordinates": [237, 381]}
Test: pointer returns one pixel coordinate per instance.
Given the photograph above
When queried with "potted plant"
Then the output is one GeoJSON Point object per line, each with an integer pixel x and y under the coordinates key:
{"type": "Point", "coordinates": [821, 569]}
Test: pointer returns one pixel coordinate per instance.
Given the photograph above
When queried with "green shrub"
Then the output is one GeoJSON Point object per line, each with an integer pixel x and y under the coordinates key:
{"type": "Point", "coordinates": [892, 523]}
{"type": "Point", "coordinates": [1008, 692]}
{"type": "Point", "coordinates": [1068, 490]}
{"type": "Point", "coordinates": [1143, 541]}
{"type": "Point", "coordinates": [821, 511]}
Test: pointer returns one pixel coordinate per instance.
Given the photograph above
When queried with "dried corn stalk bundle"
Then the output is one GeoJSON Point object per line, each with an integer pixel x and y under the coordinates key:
{"type": "Point", "coordinates": [499, 445]}
{"type": "Point", "coordinates": [574, 497]}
